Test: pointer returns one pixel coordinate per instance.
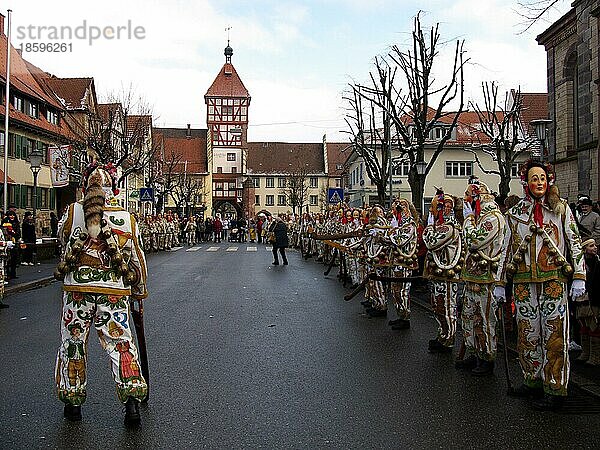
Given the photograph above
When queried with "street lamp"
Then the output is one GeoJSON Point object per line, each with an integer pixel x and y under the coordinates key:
{"type": "Point", "coordinates": [35, 164]}
{"type": "Point", "coordinates": [541, 130]}
{"type": "Point", "coordinates": [420, 167]}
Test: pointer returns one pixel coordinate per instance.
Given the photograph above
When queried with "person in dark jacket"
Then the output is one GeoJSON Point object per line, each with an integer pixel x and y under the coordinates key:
{"type": "Point", "coordinates": [281, 242]}
{"type": "Point", "coordinates": [588, 312]}
{"type": "Point", "coordinates": [14, 231]}
{"type": "Point", "coordinates": [29, 238]}
{"type": "Point", "coordinates": [53, 224]}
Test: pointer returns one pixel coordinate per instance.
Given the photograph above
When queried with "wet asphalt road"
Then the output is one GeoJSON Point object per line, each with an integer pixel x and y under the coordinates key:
{"type": "Point", "coordinates": [246, 355]}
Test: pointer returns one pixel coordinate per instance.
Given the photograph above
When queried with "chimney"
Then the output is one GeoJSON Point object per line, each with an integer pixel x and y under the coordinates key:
{"type": "Point", "coordinates": [188, 133]}
{"type": "Point", "coordinates": [1, 24]}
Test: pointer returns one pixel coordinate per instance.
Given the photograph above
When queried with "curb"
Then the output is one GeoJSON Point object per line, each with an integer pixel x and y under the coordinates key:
{"type": "Point", "coordinates": [28, 285]}
{"type": "Point", "coordinates": [584, 384]}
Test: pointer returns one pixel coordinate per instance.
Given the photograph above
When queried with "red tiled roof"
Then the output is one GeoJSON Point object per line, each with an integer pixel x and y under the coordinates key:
{"type": "Point", "coordinates": [106, 110]}
{"type": "Point", "coordinates": [192, 149]}
{"type": "Point", "coordinates": [535, 106]}
{"type": "Point", "coordinates": [337, 152]}
{"type": "Point", "coordinates": [134, 122]}
{"type": "Point", "coordinates": [27, 80]}
{"type": "Point", "coordinates": [9, 180]}
{"type": "Point", "coordinates": [227, 84]}
{"type": "Point", "coordinates": [284, 157]}
{"type": "Point", "coordinates": [71, 91]}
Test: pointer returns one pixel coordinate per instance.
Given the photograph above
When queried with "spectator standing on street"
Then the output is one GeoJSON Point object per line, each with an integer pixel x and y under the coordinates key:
{"type": "Point", "coordinates": [281, 242]}
{"type": "Point", "coordinates": [588, 312]}
{"type": "Point", "coordinates": [589, 221]}
{"type": "Point", "coordinates": [12, 230]}
{"type": "Point", "coordinates": [29, 238]}
{"type": "Point", "coordinates": [53, 224]}
{"type": "Point", "coordinates": [225, 229]}
{"type": "Point", "coordinates": [5, 245]}
{"type": "Point", "coordinates": [259, 229]}
{"type": "Point", "coordinates": [217, 228]}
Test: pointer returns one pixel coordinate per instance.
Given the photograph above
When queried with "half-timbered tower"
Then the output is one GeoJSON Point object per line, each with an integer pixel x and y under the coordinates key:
{"type": "Point", "coordinates": [227, 102]}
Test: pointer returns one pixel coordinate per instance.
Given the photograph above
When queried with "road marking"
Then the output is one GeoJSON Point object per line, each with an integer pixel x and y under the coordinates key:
{"type": "Point", "coordinates": [232, 249]}
{"type": "Point", "coordinates": [213, 249]}
{"type": "Point", "coordinates": [193, 249]}
{"type": "Point", "coordinates": [251, 249]}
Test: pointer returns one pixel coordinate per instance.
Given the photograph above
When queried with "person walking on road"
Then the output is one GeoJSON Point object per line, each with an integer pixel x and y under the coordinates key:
{"type": "Point", "coordinates": [281, 240]}
{"type": "Point", "coordinates": [103, 265]}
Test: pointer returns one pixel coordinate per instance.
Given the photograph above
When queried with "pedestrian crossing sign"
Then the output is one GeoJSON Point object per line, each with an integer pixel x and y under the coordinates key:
{"type": "Point", "coordinates": [146, 194]}
{"type": "Point", "coordinates": [335, 195]}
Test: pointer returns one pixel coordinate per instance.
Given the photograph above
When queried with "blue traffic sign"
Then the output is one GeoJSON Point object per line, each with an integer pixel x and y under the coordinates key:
{"type": "Point", "coordinates": [335, 195]}
{"type": "Point", "coordinates": [146, 194]}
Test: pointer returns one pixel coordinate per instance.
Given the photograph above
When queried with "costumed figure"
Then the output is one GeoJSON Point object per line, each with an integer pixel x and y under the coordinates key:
{"type": "Point", "coordinates": [376, 253]}
{"type": "Point", "coordinates": [6, 243]}
{"type": "Point", "coordinates": [102, 266]}
{"type": "Point", "coordinates": [442, 237]}
{"type": "Point", "coordinates": [353, 245]}
{"type": "Point", "coordinates": [484, 228]}
{"type": "Point", "coordinates": [541, 253]}
{"type": "Point", "coordinates": [404, 239]}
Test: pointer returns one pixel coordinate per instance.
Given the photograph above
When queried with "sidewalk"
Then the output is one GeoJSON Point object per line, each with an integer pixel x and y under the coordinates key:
{"type": "Point", "coordinates": [30, 277]}
{"type": "Point", "coordinates": [585, 377]}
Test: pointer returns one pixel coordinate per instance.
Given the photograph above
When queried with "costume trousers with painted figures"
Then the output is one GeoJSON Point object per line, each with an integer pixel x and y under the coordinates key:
{"type": "Point", "coordinates": [479, 320]}
{"type": "Point", "coordinates": [375, 292]}
{"type": "Point", "coordinates": [401, 293]}
{"type": "Point", "coordinates": [109, 315]}
{"type": "Point", "coordinates": [543, 326]}
{"type": "Point", "coordinates": [353, 269]}
{"type": "Point", "coordinates": [444, 308]}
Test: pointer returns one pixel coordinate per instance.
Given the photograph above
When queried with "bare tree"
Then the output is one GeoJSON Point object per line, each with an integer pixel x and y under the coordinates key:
{"type": "Point", "coordinates": [296, 189]}
{"type": "Point", "coordinates": [186, 190]}
{"type": "Point", "coordinates": [501, 133]}
{"type": "Point", "coordinates": [164, 175]}
{"type": "Point", "coordinates": [124, 135]}
{"type": "Point", "coordinates": [409, 111]}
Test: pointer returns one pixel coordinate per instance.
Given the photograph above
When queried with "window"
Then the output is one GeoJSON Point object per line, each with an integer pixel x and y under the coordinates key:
{"type": "Point", "coordinates": [314, 182]}
{"type": "Point", "coordinates": [460, 169]}
{"type": "Point", "coordinates": [230, 156]}
{"type": "Point", "coordinates": [514, 170]}
{"type": "Point", "coordinates": [402, 168]}
{"type": "Point", "coordinates": [31, 109]}
{"type": "Point", "coordinates": [270, 200]}
{"type": "Point", "coordinates": [44, 149]}
{"type": "Point", "coordinates": [18, 104]}
{"type": "Point", "coordinates": [280, 182]}
{"type": "Point", "coordinates": [338, 182]}
{"type": "Point", "coordinates": [257, 200]}
{"type": "Point", "coordinates": [218, 186]}
{"type": "Point", "coordinates": [281, 200]}
{"type": "Point", "coordinates": [256, 182]}
{"type": "Point", "coordinates": [313, 199]}
{"type": "Point", "coordinates": [219, 170]}
{"type": "Point", "coordinates": [270, 182]}
{"type": "Point", "coordinates": [234, 169]}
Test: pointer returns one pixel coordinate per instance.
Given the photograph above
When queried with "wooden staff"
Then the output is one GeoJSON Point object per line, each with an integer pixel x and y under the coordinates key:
{"type": "Point", "coordinates": [374, 276]}
{"type": "Point", "coordinates": [138, 321]}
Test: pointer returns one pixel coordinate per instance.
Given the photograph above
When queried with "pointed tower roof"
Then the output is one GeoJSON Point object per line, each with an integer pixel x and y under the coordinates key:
{"type": "Point", "coordinates": [228, 82]}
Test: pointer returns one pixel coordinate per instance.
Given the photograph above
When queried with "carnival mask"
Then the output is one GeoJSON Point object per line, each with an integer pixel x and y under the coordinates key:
{"type": "Point", "coordinates": [537, 182]}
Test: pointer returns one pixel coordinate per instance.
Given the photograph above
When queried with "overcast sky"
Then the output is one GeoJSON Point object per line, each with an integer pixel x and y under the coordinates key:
{"type": "Point", "coordinates": [295, 57]}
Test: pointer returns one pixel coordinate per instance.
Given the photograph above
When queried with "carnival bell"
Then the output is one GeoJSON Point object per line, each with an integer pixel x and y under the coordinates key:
{"type": "Point", "coordinates": [438, 272]}
{"type": "Point", "coordinates": [83, 237]}
{"type": "Point", "coordinates": [62, 267]}
{"type": "Point", "coordinates": [567, 269]}
{"type": "Point", "coordinates": [77, 247]}
{"type": "Point", "coordinates": [458, 267]}
{"type": "Point", "coordinates": [528, 238]}
{"type": "Point", "coordinates": [58, 275]}
{"type": "Point", "coordinates": [560, 261]}
{"type": "Point", "coordinates": [494, 266]}
{"type": "Point", "coordinates": [124, 269]}
{"type": "Point", "coordinates": [546, 241]}
{"type": "Point", "coordinates": [518, 258]}
{"type": "Point", "coordinates": [112, 249]}
{"type": "Point", "coordinates": [117, 258]}
{"type": "Point", "coordinates": [450, 273]}
{"type": "Point", "coordinates": [552, 251]}
{"type": "Point", "coordinates": [107, 234]}
{"type": "Point", "coordinates": [539, 230]}
{"type": "Point", "coordinates": [532, 228]}
{"type": "Point", "coordinates": [511, 268]}
{"type": "Point", "coordinates": [130, 277]}
{"type": "Point", "coordinates": [70, 258]}
{"type": "Point", "coordinates": [103, 223]}
{"type": "Point", "coordinates": [483, 264]}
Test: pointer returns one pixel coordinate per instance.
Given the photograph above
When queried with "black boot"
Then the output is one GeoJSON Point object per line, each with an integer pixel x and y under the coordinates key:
{"type": "Point", "coordinates": [525, 391]}
{"type": "Point", "coordinates": [72, 412]}
{"type": "Point", "coordinates": [466, 364]}
{"type": "Point", "coordinates": [483, 368]}
{"type": "Point", "coordinates": [401, 324]}
{"type": "Point", "coordinates": [548, 403]}
{"type": "Point", "coordinates": [436, 346]}
{"type": "Point", "coordinates": [132, 412]}
{"type": "Point", "coordinates": [366, 303]}
{"type": "Point", "coordinates": [3, 305]}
